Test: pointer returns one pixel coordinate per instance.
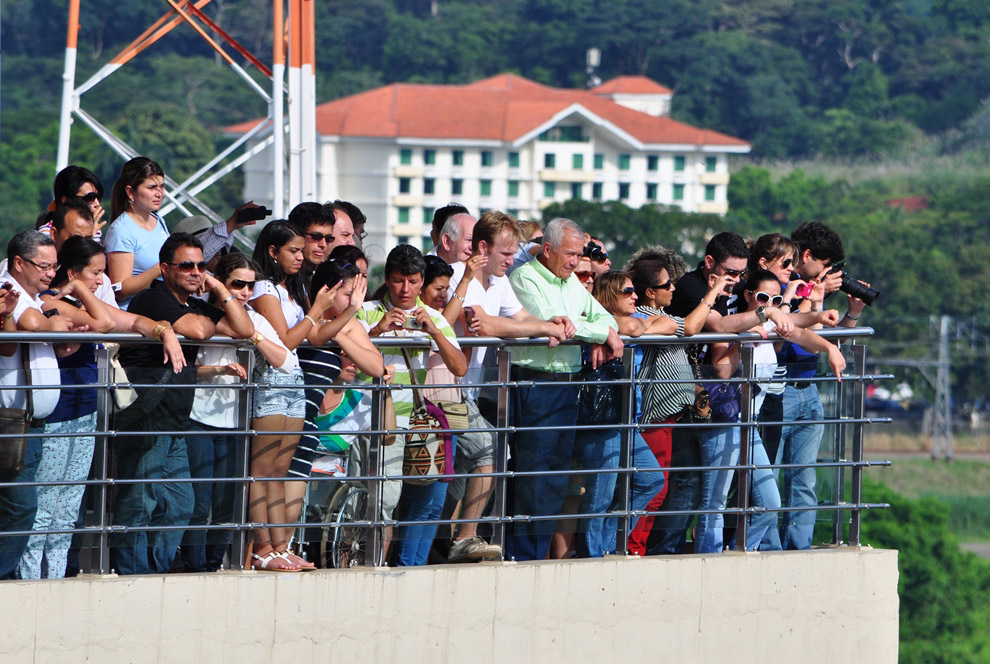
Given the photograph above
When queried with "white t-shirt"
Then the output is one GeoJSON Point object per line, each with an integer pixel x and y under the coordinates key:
{"type": "Point", "coordinates": [105, 292]}
{"type": "Point", "coordinates": [497, 300]}
{"type": "Point", "coordinates": [218, 407]}
{"type": "Point", "coordinates": [764, 364]}
{"type": "Point", "coordinates": [291, 310]}
{"type": "Point", "coordinates": [41, 362]}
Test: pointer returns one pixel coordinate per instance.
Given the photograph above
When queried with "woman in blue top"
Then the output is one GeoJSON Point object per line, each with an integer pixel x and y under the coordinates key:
{"type": "Point", "coordinates": [137, 232]}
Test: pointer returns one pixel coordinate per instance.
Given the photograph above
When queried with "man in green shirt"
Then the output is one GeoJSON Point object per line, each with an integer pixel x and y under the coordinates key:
{"type": "Point", "coordinates": [546, 289]}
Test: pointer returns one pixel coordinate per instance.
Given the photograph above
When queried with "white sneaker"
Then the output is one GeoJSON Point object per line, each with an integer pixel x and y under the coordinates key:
{"type": "Point", "coordinates": [472, 550]}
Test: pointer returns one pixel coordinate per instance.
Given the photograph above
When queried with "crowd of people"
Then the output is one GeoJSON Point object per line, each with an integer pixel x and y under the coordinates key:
{"type": "Point", "coordinates": [301, 303]}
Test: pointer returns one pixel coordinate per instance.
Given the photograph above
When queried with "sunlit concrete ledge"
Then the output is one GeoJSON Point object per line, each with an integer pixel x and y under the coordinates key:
{"type": "Point", "coordinates": [813, 606]}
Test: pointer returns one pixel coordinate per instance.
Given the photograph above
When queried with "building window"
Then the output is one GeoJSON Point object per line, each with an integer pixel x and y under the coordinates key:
{"type": "Point", "coordinates": [549, 160]}
{"type": "Point", "coordinates": [513, 160]}
{"type": "Point", "coordinates": [596, 191]}
{"type": "Point", "coordinates": [513, 188]}
{"type": "Point", "coordinates": [623, 191]}
{"type": "Point", "coordinates": [457, 187]}
{"type": "Point", "coordinates": [486, 158]}
{"type": "Point", "coordinates": [652, 162]}
{"type": "Point", "coordinates": [404, 185]}
{"type": "Point", "coordinates": [678, 163]}
{"type": "Point", "coordinates": [564, 135]}
{"type": "Point", "coordinates": [599, 161]}
{"type": "Point", "coordinates": [549, 189]}
{"type": "Point", "coordinates": [710, 164]}
{"type": "Point", "coordinates": [709, 192]}
{"type": "Point", "coordinates": [428, 215]}
{"type": "Point", "coordinates": [577, 162]}
{"type": "Point", "coordinates": [458, 157]}
{"type": "Point", "coordinates": [429, 157]}
{"type": "Point", "coordinates": [405, 156]}
{"type": "Point", "coordinates": [623, 162]}
{"type": "Point", "coordinates": [486, 187]}
{"type": "Point", "coordinates": [402, 239]}
{"type": "Point", "coordinates": [678, 192]}
{"type": "Point", "coordinates": [513, 213]}
{"type": "Point", "coordinates": [403, 215]}
{"type": "Point", "coordinates": [576, 188]}
{"type": "Point", "coordinates": [651, 191]}
{"type": "Point", "coordinates": [429, 185]}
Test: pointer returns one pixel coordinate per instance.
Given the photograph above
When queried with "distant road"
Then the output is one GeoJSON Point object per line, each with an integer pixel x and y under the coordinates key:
{"type": "Point", "coordinates": [982, 549]}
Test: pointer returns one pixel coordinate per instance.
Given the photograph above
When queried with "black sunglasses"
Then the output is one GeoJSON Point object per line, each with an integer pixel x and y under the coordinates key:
{"type": "Point", "coordinates": [666, 286]}
{"type": "Point", "coordinates": [187, 266]}
{"type": "Point", "coordinates": [787, 263]}
{"type": "Point", "coordinates": [628, 291]}
{"type": "Point", "coordinates": [732, 273]}
{"type": "Point", "coordinates": [91, 197]}
{"type": "Point", "coordinates": [316, 237]}
{"type": "Point", "coordinates": [240, 283]}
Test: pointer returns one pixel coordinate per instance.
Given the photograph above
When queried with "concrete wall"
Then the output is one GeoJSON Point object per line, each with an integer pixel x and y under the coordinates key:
{"type": "Point", "coordinates": [815, 606]}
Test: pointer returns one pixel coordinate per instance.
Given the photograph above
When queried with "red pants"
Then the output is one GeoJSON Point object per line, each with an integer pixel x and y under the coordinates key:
{"type": "Point", "coordinates": [659, 442]}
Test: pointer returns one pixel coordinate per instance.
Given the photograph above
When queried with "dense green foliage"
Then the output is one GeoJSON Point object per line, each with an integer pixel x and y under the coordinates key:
{"type": "Point", "coordinates": [944, 614]}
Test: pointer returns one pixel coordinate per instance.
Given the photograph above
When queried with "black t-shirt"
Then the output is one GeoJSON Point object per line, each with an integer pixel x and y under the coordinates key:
{"type": "Point", "coordinates": [158, 303]}
{"type": "Point", "coordinates": [688, 293]}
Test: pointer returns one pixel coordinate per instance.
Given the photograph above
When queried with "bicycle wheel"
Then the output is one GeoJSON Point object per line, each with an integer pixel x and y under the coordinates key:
{"type": "Point", "coordinates": [344, 545]}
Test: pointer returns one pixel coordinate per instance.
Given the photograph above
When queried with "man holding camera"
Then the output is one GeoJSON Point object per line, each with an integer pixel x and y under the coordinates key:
{"type": "Point", "coordinates": [819, 252]}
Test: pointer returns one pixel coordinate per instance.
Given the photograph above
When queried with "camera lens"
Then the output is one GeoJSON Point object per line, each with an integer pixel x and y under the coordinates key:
{"type": "Point", "coordinates": [854, 288]}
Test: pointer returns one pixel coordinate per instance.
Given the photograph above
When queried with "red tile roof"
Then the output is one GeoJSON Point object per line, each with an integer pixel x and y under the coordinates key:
{"type": "Point", "coordinates": [631, 85]}
{"type": "Point", "coordinates": [501, 108]}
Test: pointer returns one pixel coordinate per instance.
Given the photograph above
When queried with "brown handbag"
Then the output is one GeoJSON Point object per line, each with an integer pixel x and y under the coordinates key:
{"type": "Point", "coordinates": [16, 421]}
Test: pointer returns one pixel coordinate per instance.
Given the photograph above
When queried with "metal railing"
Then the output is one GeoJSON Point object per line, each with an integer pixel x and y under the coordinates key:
{"type": "Point", "coordinates": [841, 462]}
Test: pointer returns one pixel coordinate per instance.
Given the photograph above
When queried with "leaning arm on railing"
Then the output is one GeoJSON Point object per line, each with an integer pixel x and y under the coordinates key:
{"type": "Point", "coordinates": [236, 323]}
{"type": "Point", "coordinates": [93, 315]}
{"type": "Point", "coordinates": [356, 343]}
{"type": "Point", "coordinates": [125, 321]}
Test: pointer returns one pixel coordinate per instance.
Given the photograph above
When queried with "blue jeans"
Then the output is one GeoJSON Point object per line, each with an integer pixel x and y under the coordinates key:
{"type": "Point", "coordinates": [719, 447]}
{"type": "Point", "coordinates": [669, 532]}
{"type": "Point", "coordinates": [18, 505]}
{"type": "Point", "coordinates": [763, 493]}
{"type": "Point", "coordinates": [420, 503]}
{"type": "Point", "coordinates": [553, 406]}
{"type": "Point", "coordinates": [600, 449]}
{"type": "Point", "coordinates": [799, 445]}
{"type": "Point", "coordinates": [142, 504]}
{"type": "Point", "coordinates": [211, 454]}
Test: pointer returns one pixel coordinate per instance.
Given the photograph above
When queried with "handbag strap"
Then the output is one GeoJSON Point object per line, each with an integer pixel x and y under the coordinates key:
{"type": "Point", "coordinates": [417, 397]}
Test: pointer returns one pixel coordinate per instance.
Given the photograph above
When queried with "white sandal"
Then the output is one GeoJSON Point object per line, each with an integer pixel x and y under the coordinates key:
{"type": "Point", "coordinates": [265, 560]}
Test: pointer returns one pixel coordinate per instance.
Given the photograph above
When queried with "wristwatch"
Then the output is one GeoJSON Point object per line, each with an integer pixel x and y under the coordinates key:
{"type": "Point", "coordinates": [761, 313]}
{"type": "Point", "coordinates": [257, 338]}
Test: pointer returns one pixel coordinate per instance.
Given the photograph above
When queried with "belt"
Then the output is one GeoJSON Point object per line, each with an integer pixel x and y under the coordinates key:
{"type": "Point", "coordinates": [525, 373]}
{"type": "Point", "coordinates": [800, 384]}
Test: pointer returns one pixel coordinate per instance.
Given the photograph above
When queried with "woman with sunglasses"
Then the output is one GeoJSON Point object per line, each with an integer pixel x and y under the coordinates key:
{"type": "Point", "coordinates": [137, 232]}
{"type": "Point", "coordinates": [762, 292]}
{"type": "Point", "coordinates": [78, 183]}
{"type": "Point", "coordinates": [214, 414]}
{"type": "Point", "coordinates": [598, 449]}
{"type": "Point", "coordinates": [280, 296]}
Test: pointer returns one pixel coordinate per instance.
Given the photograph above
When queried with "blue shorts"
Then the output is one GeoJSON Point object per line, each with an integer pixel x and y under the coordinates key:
{"type": "Point", "coordinates": [283, 397]}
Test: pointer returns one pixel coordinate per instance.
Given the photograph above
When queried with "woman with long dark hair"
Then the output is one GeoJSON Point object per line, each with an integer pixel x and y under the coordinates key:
{"type": "Point", "coordinates": [280, 296]}
{"type": "Point", "coordinates": [137, 232]}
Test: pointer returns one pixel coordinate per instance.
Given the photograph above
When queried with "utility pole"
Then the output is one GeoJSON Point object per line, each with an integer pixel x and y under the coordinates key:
{"type": "Point", "coordinates": [942, 430]}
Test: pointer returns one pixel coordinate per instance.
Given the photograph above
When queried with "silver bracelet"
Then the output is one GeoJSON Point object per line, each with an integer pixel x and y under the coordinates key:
{"type": "Point", "coordinates": [228, 299]}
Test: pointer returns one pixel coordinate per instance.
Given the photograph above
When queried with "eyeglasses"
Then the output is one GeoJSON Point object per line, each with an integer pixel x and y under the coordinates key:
{"type": "Point", "coordinates": [628, 291]}
{"type": "Point", "coordinates": [240, 283]}
{"type": "Point", "coordinates": [42, 268]}
{"type": "Point", "coordinates": [786, 263]}
{"type": "Point", "coordinates": [765, 298]}
{"type": "Point", "coordinates": [362, 235]}
{"type": "Point", "coordinates": [666, 286]}
{"type": "Point", "coordinates": [316, 237]}
{"type": "Point", "coordinates": [188, 266]}
{"type": "Point", "coordinates": [585, 274]}
{"type": "Point", "coordinates": [732, 273]}
{"type": "Point", "coordinates": [90, 198]}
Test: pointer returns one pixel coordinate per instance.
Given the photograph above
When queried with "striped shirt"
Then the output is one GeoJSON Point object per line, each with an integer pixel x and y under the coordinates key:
{"type": "Point", "coordinates": [664, 363]}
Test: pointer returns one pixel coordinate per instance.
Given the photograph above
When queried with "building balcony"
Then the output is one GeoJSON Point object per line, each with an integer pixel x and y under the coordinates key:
{"type": "Point", "coordinates": [407, 200]}
{"type": "Point", "coordinates": [407, 171]}
{"type": "Point", "coordinates": [714, 178]}
{"type": "Point", "coordinates": [553, 175]}
{"type": "Point", "coordinates": [713, 207]}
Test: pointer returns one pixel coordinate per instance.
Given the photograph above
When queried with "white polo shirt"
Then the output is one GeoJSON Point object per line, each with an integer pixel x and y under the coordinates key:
{"type": "Point", "coordinates": [41, 362]}
{"type": "Point", "coordinates": [497, 300]}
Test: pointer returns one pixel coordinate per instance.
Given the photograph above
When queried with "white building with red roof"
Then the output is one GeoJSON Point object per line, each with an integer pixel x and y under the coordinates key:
{"type": "Point", "coordinates": [508, 143]}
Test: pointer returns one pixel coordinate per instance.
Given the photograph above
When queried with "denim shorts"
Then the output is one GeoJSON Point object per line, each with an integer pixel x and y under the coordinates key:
{"type": "Point", "coordinates": [285, 400]}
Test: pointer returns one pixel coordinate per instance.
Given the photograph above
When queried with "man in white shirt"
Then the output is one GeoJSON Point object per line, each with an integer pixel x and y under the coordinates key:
{"type": "Point", "coordinates": [491, 307]}
{"type": "Point", "coordinates": [32, 262]}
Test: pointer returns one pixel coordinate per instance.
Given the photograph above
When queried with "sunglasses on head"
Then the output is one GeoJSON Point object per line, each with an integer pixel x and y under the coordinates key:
{"type": "Point", "coordinates": [666, 286]}
{"type": "Point", "coordinates": [628, 291]}
{"type": "Point", "coordinates": [767, 298]}
{"type": "Point", "coordinates": [585, 274]}
{"type": "Point", "coordinates": [91, 197]}
{"type": "Point", "coordinates": [316, 237]}
{"type": "Point", "coordinates": [187, 266]}
{"type": "Point", "coordinates": [240, 283]}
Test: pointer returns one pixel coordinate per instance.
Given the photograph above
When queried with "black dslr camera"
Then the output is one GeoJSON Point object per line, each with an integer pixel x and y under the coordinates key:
{"type": "Point", "coordinates": [594, 251]}
{"type": "Point", "coordinates": [853, 287]}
